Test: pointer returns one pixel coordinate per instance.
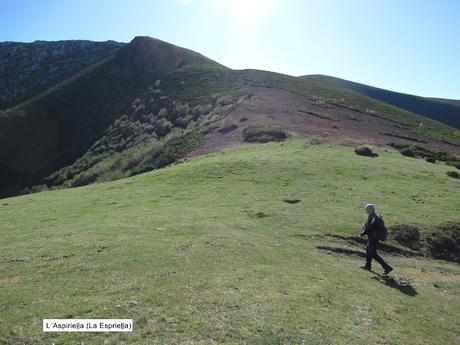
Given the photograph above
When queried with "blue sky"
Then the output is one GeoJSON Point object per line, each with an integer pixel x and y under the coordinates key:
{"type": "Point", "coordinates": [407, 46]}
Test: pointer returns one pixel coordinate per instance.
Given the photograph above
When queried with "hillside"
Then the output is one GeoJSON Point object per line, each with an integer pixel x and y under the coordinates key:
{"type": "Point", "coordinates": [151, 103]}
{"type": "Point", "coordinates": [242, 262]}
{"type": "Point", "coordinates": [443, 110]}
{"type": "Point", "coordinates": [57, 127]}
{"type": "Point", "coordinates": [29, 68]}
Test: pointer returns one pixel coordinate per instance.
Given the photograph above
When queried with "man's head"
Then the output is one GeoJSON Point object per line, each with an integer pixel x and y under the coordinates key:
{"type": "Point", "coordinates": [370, 208]}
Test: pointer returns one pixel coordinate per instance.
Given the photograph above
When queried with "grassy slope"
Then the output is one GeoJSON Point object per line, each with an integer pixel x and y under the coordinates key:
{"type": "Point", "coordinates": [443, 110]}
{"type": "Point", "coordinates": [189, 243]}
{"type": "Point", "coordinates": [242, 81]}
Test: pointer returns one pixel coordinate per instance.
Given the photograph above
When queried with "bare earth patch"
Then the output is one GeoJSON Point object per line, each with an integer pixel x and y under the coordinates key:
{"type": "Point", "coordinates": [279, 108]}
{"type": "Point", "coordinates": [11, 281]}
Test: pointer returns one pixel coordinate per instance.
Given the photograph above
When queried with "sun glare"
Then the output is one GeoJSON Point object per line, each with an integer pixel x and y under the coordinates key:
{"type": "Point", "coordinates": [246, 11]}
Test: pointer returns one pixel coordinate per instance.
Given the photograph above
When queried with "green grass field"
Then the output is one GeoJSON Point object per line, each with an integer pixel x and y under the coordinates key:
{"type": "Point", "coordinates": [215, 256]}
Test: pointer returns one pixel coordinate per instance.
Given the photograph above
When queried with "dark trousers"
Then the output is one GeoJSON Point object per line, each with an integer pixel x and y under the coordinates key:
{"type": "Point", "coordinates": [371, 253]}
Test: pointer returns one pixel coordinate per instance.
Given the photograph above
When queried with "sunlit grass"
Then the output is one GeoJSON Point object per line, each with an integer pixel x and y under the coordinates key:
{"type": "Point", "coordinates": [214, 255]}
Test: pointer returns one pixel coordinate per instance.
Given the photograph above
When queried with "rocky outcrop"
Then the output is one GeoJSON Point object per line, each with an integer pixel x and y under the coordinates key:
{"type": "Point", "coordinates": [29, 68]}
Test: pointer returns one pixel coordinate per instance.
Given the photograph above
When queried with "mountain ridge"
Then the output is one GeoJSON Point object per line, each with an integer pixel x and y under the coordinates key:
{"type": "Point", "coordinates": [439, 109]}
{"type": "Point", "coordinates": [161, 101]}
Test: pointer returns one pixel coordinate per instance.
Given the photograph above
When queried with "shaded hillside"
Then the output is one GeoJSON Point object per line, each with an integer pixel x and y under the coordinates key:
{"type": "Point", "coordinates": [29, 68]}
{"type": "Point", "coordinates": [57, 127]}
{"type": "Point", "coordinates": [151, 102]}
{"type": "Point", "coordinates": [443, 110]}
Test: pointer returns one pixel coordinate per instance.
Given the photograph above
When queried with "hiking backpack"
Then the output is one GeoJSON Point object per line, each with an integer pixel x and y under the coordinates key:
{"type": "Point", "coordinates": [382, 231]}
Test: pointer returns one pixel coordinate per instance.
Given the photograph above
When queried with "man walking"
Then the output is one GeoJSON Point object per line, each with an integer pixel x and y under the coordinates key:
{"type": "Point", "coordinates": [371, 228]}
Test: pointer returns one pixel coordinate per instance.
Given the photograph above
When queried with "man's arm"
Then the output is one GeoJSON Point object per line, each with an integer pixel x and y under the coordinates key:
{"type": "Point", "coordinates": [367, 226]}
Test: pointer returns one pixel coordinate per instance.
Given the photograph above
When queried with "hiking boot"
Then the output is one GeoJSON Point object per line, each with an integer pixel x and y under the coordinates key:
{"type": "Point", "coordinates": [388, 270]}
{"type": "Point", "coordinates": [367, 268]}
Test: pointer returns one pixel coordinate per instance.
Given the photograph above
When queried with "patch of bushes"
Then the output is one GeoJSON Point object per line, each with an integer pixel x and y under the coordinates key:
{"type": "Point", "coordinates": [137, 159]}
{"type": "Point", "coordinates": [443, 242]}
{"type": "Point", "coordinates": [440, 242]}
{"type": "Point", "coordinates": [365, 151]}
{"type": "Point", "coordinates": [35, 189]}
{"type": "Point", "coordinates": [224, 100]}
{"type": "Point", "coordinates": [208, 128]}
{"type": "Point", "coordinates": [120, 165]}
{"type": "Point", "coordinates": [183, 143]}
{"type": "Point", "coordinates": [162, 126]}
{"type": "Point", "coordinates": [456, 164]}
{"type": "Point", "coordinates": [407, 152]}
{"type": "Point", "coordinates": [430, 156]}
{"type": "Point", "coordinates": [263, 134]}
{"type": "Point", "coordinates": [407, 235]}
{"type": "Point", "coordinates": [228, 128]}
{"type": "Point", "coordinates": [453, 174]}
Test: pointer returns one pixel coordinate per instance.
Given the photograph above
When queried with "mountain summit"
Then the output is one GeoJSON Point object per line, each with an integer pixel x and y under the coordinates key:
{"type": "Point", "coordinates": [148, 58]}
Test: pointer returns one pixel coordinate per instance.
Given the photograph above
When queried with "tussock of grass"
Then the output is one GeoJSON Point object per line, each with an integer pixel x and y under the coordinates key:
{"type": "Point", "coordinates": [263, 134]}
{"type": "Point", "coordinates": [365, 151]}
{"type": "Point", "coordinates": [453, 174]}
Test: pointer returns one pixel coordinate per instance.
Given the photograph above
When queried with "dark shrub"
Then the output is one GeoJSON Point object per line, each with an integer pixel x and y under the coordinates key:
{"type": "Point", "coordinates": [263, 134]}
{"type": "Point", "coordinates": [365, 151]}
{"type": "Point", "coordinates": [206, 129]}
{"type": "Point", "coordinates": [453, 174]}
{"type": "Point", "coordinates": [454, 164]}
{"type": "Point", "coordinates": [35, 189]}
{"type": "Point", "coordinates": [85, 178]}
{"type": "Point", "coordinates": [446, 157]}
{"type": "Point", "coordinates": [398, 146]}
{"type": "Point", "coordinates": [228, 128]}
{"type": "Point", "coordinates": [184, 121]}
{"type": "Point", "coordinates": [407, 235]}
{"type": "Point", "coordinates": [162, 127]}
{"type": "Point", "coordinates": [443, 242]}
{"type": "Point", "coordinates": [430, 156]}
{"type": "Point", "coordinates": [407, 153]}
{"type": "Point", "coordinates": [164, 159]}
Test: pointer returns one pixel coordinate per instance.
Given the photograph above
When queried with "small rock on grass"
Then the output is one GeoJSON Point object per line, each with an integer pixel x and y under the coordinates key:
{"type": "Point", "coordinates": [127, 303]}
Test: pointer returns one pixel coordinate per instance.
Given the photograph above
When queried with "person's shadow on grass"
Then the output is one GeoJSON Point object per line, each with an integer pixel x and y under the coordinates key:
{"type": "Point", "coordinates": [401, 285]}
